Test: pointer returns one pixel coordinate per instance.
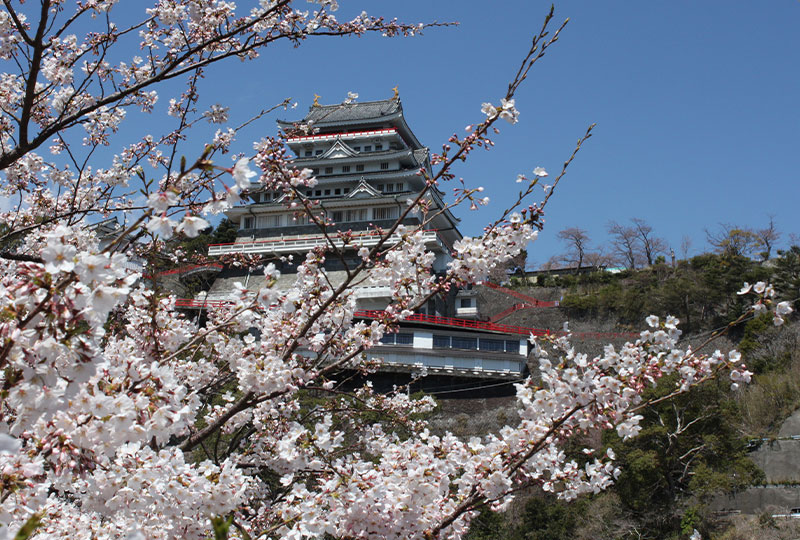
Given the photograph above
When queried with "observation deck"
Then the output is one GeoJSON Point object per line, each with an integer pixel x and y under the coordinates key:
{"type": "Point", "coordinates": [298, 243]}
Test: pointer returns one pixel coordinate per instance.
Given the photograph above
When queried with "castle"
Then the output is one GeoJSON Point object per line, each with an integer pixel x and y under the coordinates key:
{"type": "Point", "coordinates": [367, 162]}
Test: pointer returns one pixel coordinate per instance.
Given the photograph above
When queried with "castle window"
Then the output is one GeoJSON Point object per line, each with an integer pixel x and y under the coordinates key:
{"type": "Point", "coordinates": [389, 188]}
{"type": "Point", "coordinates": [309, 153]}
{"type": "Point", "coordinates": [464, 343]}
{"type": "Point", "coordinates": [318, 152]}
{"type": "Point", "coordinates": [318, 193]}
{"type": "Point", "coordinates": [368, 148]}
{"type": "Point", "coordinates": [384, 165]}
{"type": "Point", "coordinates": [360, 167]}
{"type": "Point", "coordinates": [357, 148]}
{"type": "Point", "coordinates": [378, 147]}
{"type": "Point", "coordinates": [441, 342]}
{"type": "Point", "coordinates": [247, 223]}
{"type": "Point", "coordinates": [337, 191]}
{"type": "Point", "coordinates": [398, 339]}
{"type": "Point", "coordinates": [492, 345]}
{"type": "Point", "coordinates": [512, 346]}
{"type": "Point", "coordinates": [336, 216]}
{"type": "Point", "coordinates": [346, 168]}
{"type": "Point", "coordinates": [327, 192]}
{"type": "Point", "coordinates": [328, 170]}
{"type": "Point", "coordinates": [466, 302]}
{"type": "Point", "coordinates": [346, 190]}
{"type": "Point", "coordinates": [275, 220]}
{"type": "Point", "coordinates": [387, 212]}
{"type": "Point", "coordinates": [399, 186]}
{"type": "Point", "coordinates": [357, 214]}
{"type": "Point", "coordinates": [314, 171]}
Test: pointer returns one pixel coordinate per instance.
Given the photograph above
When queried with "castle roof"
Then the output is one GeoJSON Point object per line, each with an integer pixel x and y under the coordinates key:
{"type": "Point", "coordinates": [326, 118]}
{"type": "Point", "coordinates": [341, 113]}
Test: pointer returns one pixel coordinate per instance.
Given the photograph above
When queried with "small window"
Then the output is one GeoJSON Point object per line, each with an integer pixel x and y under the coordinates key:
{"type": "Point", "coordinates": [345, 168]}
{"type": "Point", "coordinates": [357, 148]}
{"type": "Point", "coordinates": [512, 346]}
{"type": "Point", "coordinates": [441, 342]}
{"type": "Point", "coordinates": [315, 171]}
{"type": "Point", "coordinates": [308, 193]}
{"type": "Point", "coordinates": [359, 214]}
{"type": "Point", "coordinates": [399, 187]}
{"type": "Point", "coordinates": [318, 193]}
{"type": "Point", "coordinates": [389, 188]}
{"type": "Point", "coordinates": [265, 222]}
{"type": "Point", "coordinates": [380, 187]}
{"type": "Point", "coordinates": [378, 147]}
{"type": "Point", "coordinates": [248, 223]}
{"type": "Point", "coordinates": [359, 168]}
{"type": "Point", "coordinates": [388, 212]}
{"type": "Point", "coordinates": [346, 190]}
{"type": "Point", "coordinates": [466, 302]}
{"type": "Point", "coordinates": [384, 166]}
{"type": "Point", "coordinates": [328, 170]}
{"type": "Point", "coordinates": [464, 343]}
{"type": "Point", "coordinates": [318, 152]}
{"type": "Point", "coordinates": [404, 339]}
{"type": "Point", "coordinates": [337, 191]}
{"type": "Point", "coordinates": [336, 215]}
{"type": "Point", "coordinates": [492, 345]}
{"type": "Point", "coordinates": [309, 153]}
{"type": "Point", "coordinates": [368, 148]}
{"type": "Point", "coordinates": [327, 192]}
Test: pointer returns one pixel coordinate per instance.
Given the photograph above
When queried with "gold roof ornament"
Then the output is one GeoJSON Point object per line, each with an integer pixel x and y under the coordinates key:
{"type": "Point", "coordinates": [396, 93]}
{"type": "Point", "coordinates": [316, 101]}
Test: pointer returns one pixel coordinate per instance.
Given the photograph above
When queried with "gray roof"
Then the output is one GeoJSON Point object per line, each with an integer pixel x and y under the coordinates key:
{"type": "Point", "coordinates": [367, 110]}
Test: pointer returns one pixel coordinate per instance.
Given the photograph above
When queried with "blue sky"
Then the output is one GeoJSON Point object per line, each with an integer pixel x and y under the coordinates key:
{"type": "Point", "coordinates": [695, 104]}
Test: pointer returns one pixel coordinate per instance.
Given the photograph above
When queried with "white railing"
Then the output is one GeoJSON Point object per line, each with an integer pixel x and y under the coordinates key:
{"type": "Point", "coordinates": [293, 244]}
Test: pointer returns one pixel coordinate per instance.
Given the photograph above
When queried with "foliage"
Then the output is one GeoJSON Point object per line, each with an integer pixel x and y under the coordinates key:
{"type": "Point", "coordinates": [700, 291]}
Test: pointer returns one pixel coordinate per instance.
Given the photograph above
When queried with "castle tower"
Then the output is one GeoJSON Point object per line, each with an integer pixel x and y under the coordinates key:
{"type": "Point", "coordinates": [368, 163]}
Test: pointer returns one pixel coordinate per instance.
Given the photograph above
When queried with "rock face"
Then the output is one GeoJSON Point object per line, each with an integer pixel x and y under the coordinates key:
{"type": "Point", "coordinates": [780, 460]}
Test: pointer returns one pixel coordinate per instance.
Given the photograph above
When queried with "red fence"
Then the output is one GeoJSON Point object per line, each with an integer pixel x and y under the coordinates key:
{"type": "Point", "coordinates": [443, 321]}
{"type": "Point", "coordinates": [333, 236]}
{"type": "Point", "coordinates": [184, 269]}
{"type": "Point", "coordinates": [460, 323]}
{"type": "Point", "coordinates": [528, 299]}
{"type": "Point", "coordinates": [509, 311]}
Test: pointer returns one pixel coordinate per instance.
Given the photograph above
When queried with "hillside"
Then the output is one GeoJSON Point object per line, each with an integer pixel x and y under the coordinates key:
{"type": "Point", "coordinates": [694, 447]}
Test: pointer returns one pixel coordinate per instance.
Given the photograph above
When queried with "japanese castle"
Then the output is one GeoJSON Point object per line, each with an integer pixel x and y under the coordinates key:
{"type": "Point", "coordinates": [367, 162]}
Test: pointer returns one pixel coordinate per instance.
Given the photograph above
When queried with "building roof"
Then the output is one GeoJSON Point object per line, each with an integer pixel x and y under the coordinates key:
{"type": "Point", "coordinates": [321, 115]}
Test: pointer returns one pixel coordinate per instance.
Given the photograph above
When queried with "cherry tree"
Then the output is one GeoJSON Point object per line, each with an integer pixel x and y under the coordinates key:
{"type": "Point", "coordinates": [120, 418]}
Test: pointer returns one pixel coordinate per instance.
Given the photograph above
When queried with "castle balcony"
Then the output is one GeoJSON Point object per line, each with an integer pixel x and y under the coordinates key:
{"type": "Point", "coordinates": [301, 243]}
{"type": "Point", "coordinates": [345, 136]}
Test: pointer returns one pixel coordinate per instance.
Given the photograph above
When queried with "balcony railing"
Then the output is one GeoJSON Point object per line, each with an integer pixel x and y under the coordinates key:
{"type": "Point", "coordinates": [293, 244]}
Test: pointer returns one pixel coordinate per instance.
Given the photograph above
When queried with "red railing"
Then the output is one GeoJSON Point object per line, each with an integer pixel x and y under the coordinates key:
{"type": "Point", "coordinates": [333, 236]}
{"type": "Point", "coordinates": [460, 323]}
{"type": "Point", "coordinates": [528, 299]}
{"type": "Point", "coordinates": [509, 311]}
{"type": "Point", "coordinates": [184, 269]}
{"type": "Point", "coordinates": [191, 303]}
{"type": "Point", "coordinates": [444, 321]}
{"type": "Point", "coordinates": [343, 135]}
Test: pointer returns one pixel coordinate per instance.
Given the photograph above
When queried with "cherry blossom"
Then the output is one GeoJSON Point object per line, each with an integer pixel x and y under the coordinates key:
{"type": "Point", "coordinates": [123, 418]}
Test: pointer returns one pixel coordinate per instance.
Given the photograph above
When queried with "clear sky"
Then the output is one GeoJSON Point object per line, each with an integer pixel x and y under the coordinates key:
{"type": "Point", "coordinates": [696, 104]}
